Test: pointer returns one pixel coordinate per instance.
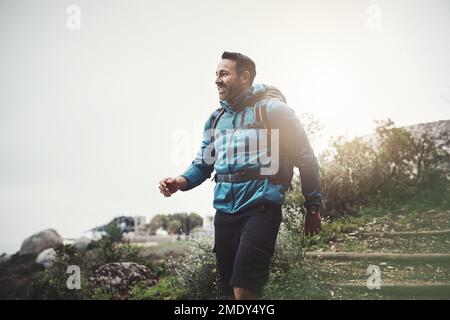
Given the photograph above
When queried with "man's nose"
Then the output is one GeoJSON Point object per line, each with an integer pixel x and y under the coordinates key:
{"type": "Point", "coordinates": [218, 81]}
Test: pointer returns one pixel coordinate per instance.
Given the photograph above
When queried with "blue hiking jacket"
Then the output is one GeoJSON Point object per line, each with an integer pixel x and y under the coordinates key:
{"type": "Point", "coordinates": [227, 151]}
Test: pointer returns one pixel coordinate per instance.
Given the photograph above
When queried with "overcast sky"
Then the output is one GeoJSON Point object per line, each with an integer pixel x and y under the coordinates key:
{"type": "Point", "coordinates": [92, 118]}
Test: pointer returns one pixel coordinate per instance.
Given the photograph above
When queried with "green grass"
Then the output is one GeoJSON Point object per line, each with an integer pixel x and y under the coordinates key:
{"type": "Point", "coordinates": [304, 282]}
{"type": "Point", "coordinates": [165, 289]}
{"type": "Point", "coordinates": [321, 279]}
{"type": "Point", "coordinates": [164, 251]}
{"type": "Point", "coordinates": [421, 213]}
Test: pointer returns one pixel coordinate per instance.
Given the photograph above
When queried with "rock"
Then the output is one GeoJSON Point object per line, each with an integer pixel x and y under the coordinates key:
{"type": "Point", "coordinates": [121, 276]}
{"type": "Point", "coordinates": [82, 243]}
{"type": "Point", "coordinates": [40, 241]}
{"type": "Point", "coordinates": [4, 258]}
{"type": "Point", "coordinates": [46, 258]}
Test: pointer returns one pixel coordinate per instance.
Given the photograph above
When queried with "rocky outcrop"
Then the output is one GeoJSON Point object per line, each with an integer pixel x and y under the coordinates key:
{"type": "Point", "coordinates": [4, 258]}
{"type": "Point", "coordinates": [46, 258]}
{"type": "Point", "coordinates": [121, 276]}
{"type": "Point", "coordinates": [40, 241]}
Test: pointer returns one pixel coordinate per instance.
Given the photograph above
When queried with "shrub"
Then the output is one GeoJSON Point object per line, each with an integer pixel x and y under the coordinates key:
{"type": "Point", "coordinates": [395, 165]}
{"type": "Point", "coordinates": [52, 283]}
{"type": "Point", "coordinates": [166, 289]}
{"type": "Point", "coordinates": [196, 273]}
{"type": "Point", "coordinates": [289, 250]}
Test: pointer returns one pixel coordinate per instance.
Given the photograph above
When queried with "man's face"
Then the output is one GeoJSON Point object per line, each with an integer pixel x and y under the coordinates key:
{"type": "Point", "coordinates": [229, 83]}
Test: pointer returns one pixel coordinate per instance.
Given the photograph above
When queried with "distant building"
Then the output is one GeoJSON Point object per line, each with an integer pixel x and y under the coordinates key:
{"type": "Point", "coordinates": [140, 225]}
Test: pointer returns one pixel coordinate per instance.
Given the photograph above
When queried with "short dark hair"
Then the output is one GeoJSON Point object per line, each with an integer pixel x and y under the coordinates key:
{"type": "Point", "coordinates": [243, 63]}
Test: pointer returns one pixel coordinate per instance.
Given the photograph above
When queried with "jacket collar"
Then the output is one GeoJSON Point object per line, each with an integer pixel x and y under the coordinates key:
{"type": "Point", "coordinates": [244, 99]}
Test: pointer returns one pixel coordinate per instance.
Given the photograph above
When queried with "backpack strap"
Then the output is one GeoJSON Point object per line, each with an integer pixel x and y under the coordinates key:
{"type": "Point", "coordinates": [264, 117]}
{"type": "Point", "coordinates": [216, 116]}
{"type": "Point", "coordinates": [258, 118]}
{"type": "Point", "coordinates": [261, 117]}
{"type": "Point", "coordinates": [214, 119]}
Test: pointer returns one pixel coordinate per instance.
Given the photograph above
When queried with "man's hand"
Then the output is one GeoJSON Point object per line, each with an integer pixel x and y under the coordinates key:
{"type": "Point", "coordinates": [169, 186]}
{"type": "Point", "coordinates": [312, 221]}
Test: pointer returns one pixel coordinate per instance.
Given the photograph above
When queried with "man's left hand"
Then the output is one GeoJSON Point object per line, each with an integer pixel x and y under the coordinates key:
{"type": "Point", "coordinates": [313, 221]}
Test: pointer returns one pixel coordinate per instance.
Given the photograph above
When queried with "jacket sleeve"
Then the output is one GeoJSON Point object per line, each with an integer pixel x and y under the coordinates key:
{"type": "Point", "coordinates": [303, 155]}
{"type": "Point", "coordinates": [203, 164]}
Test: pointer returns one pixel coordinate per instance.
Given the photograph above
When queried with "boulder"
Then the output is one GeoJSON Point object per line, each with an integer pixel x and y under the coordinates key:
{"type": "Point", "coordinates": [40, 241]}
{"type": "Point", "coordinates": [46, 258]}
{"type": "Point", "coordinates": [121, 276]}
{"type": "Point", "coordinates": [4, 258]}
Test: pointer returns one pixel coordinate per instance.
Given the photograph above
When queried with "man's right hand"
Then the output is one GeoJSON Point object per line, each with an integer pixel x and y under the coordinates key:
{"type": "Point", "coordinates": [313, 221]}
{"type": "Point", "coordinates": [170, 185]}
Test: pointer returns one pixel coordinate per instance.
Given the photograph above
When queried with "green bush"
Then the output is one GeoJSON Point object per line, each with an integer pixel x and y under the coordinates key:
{"type": "Point", "coordinates": [113, 232]}
{"type": "Point", "coordinates": [52, 283]}
{"type": "Point", "coordinates": [291, 241]}
{"type": "Point", "coordinates": [196, 273]}
{"type": "Point", "coordinates": [394, 166]}
{"type": "Point", "coordinates": [166, 289]}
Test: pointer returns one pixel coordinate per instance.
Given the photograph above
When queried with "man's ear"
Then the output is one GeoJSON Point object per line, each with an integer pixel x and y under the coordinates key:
{"type": "Point", "coordinates": [245, 77]}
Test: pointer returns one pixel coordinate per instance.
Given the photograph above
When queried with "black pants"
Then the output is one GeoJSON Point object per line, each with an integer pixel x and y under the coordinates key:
{"type": "Point", "coordinates": [244, 245]}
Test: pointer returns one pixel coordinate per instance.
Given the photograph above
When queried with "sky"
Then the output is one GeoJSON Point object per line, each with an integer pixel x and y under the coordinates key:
{"type": "Point", "coordinates": [99, 100]}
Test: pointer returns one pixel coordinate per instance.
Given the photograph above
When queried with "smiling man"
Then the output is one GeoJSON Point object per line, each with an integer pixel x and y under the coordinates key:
{"type": "Point", "coordinates": [248, 197]}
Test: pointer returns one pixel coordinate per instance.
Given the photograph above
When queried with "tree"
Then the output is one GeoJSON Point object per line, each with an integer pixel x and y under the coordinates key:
{"type": "Point", "coordinates": [431, 158]}
{"type": "Point", "coordinates": [174, 227]}
{"type": "Point", "coordinates": [346, 173]}
{"type": "Point", "coordinates": [185, 222]}
{"type": "Point", "coordinates": [113, 231]}
{"type": "Point", "coordinates": [158, 221]}
{"type": "Point", "coordinates": [396, 164]}
{"type": "Point", "coordinates": [395, 155]}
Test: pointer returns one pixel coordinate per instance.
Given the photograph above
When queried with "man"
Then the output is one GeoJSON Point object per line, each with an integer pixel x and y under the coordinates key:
{"type": "Point", "coordinates": [250, 182]}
